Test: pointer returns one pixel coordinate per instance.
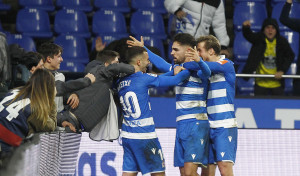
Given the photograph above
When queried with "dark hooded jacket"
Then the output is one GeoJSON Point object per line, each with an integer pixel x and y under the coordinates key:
{"type": "Point", "coordinates": [95, 99]}
{"type": "Point", "coordinates": [284, 52]}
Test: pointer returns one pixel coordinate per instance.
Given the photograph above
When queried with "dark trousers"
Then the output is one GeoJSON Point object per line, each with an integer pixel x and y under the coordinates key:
{"type": "Point", "coordinates": [268, 91]}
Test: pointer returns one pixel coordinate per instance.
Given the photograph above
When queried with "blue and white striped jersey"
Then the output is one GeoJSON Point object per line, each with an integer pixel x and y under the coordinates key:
{"type": "Point", "coordinates": [191, 97]}
{"type": "Point", "coordinates": [138, 121]}
{"type": "Point", "coordinates": [220, 107]}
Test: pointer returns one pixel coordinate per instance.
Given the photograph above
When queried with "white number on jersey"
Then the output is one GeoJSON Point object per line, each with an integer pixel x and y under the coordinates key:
{"type": "Point", "coordinates": [14, 108]}
{"type": "Point", "coordinates": [130, 105]}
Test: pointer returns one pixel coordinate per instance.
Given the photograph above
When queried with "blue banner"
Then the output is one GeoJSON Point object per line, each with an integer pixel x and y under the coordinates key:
{"type": "Point", "coordinates": [250, 113]}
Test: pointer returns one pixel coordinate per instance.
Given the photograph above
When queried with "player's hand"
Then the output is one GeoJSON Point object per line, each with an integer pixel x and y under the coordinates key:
{"type": "Point", "coordinates": [278, 75]}
{"type": "Point", "coordinates": [99, 45]}
{"type": "Point", "coordinates": [73, 101]}
{"type": "Point", "coordinates": [192, 55]}
{"type": "Point", "coordinates": [68, 124]}
{"type": "Point", "coordinates": [247, 23]}
{"type": "Point", "coordinates": [91, 77]}
{"type": "Point", "coordinates": [180, 14]}
{"type": "Point", "coordinates": [135, 42]}
{"type": "Point", "coordinates": [178, 69]}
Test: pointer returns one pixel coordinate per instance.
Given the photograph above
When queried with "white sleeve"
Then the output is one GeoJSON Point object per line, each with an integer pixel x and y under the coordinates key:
{"type": "Point", "coordinates": [173, 5]}
{"type": "Point", "coordinates": [219, 25]}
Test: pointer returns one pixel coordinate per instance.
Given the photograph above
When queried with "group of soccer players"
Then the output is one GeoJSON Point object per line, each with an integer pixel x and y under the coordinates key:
{"type": "Point", "coordinates": [206, 133]}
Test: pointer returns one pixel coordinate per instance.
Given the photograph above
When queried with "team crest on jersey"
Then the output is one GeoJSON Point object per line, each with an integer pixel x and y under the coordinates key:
{"type": "Point", "coordinates": [151, 74]}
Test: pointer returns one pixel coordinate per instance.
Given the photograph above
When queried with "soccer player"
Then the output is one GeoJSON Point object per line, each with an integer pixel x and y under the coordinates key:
{"type": "Point", "coordinates": [220, 107]}
{"type": "Point", "coordinates": [142, 150]}
{"type": "Point", "coordinates": [191, 146]}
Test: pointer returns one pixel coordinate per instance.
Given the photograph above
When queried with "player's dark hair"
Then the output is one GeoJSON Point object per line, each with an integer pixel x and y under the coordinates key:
{"type": "Point", "coordinates": [107, 56]}
{"type": "Point", "coordinates": [185, 39]}
{"type": "Point", "coordinates": [133, 52]}
{"type": "Point", "coordinates": [31, 59]}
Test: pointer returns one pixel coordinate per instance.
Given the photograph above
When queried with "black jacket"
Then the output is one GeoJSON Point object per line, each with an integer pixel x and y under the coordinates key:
{"type": "Point", "coordinates": [293, 24]}
{"type": "Point", "coordinates": [94, 100]}
{"type": "Point", "coordinates": [284, 52]}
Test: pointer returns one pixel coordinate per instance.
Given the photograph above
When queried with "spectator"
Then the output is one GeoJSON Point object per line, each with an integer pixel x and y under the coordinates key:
{"type": "Point", "coordinates": [196, 18]}
{"type": "Point", "coordinates": [294, 24]}
{"type": "Point", "coordinates": [28, 109]}
{"type": "Point", "coordinates": [96, 100]}
{"type": "Point", "coordinates": [99, 46]}
{"type": "Point", "coordinates": [270, 54]}
{"type": "Point", "coordinates": [5, 66]}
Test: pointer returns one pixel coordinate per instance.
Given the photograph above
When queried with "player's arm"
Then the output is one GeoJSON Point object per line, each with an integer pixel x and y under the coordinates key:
{"type": "Point", "coordinates": [159, 62]}
{"type": "Point", "coordinates": [165, 81]}
{"type": "Point", "coordinates": [218, 67]}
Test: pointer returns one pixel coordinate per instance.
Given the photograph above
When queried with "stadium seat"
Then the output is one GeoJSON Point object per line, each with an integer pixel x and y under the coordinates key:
{"type": "Point", "coordinates": [83, 5]}
{"type": "Point", "coordinates": [74, 48]}
{"type": "Point", "coordinates": [151, 5]}
{"type": "Point", "coordinates": [154, 42]}
{"type": "Point", "coordinates": [115, 5]}
{"type": "Point", "coordinates": [148, 23]}
{"type": "Point", "coordinates": [38, 4]}
{"type": "Point", "coordinates": [254, 11]}
{"type": "Point", "coordinates": [71, 22]}
{"type": "Point", "coordinates": [34, 23]}
{"type": "Point", "coordinates": [295, 13]}
{"type": "Point", "coordinates": [69, 66]}
{"type": "Point", "coordinates": [293, 39]}
{"type": "Point", "coordinates": [25, 42]}
{"type": "Point", "coordinates": [241, 48]}
{"type": "Point", "coordinates": [107, 39]}
{"type": "Point", "coordinates": [244, 87]}
{"type": "Point", "coordinates": [4, 7]}
{"type": "Point", "coordinates": [288, 81]}
{"type": "Point", "coordinates": [109, 22]}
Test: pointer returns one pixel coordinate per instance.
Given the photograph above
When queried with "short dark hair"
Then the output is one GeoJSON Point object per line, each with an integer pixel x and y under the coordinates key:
{"type": "Point", "coordinates": [185, 39]}
{"type": "Point", "coordinates": [134, 51]}
{"type": "Point", "coordinates": [49, 50]}
{"type": "Point", "coordinates": [107, 56]}
{"type": "Point", "coordinates": [210, 42]}
{"type": "Point", "coordinates": [31, 59]}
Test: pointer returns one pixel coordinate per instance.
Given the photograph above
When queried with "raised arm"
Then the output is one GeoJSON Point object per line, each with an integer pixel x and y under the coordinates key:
{"type": "Point", "coordinates": [159, 62]}
{"type": "Point", "coordinates": [292, 23]}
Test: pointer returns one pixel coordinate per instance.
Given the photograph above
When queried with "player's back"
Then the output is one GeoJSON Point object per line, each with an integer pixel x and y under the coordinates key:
{"type": "Point", "coordinates": [138, 121]}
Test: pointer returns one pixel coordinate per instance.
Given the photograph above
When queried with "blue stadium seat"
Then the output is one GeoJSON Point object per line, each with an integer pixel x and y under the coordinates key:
{"type": "Point", "coordinates": [154, 42]}
{"type": "Point", "coordinates": [25, 42]}
{"type": "Point", "coordinates": [115, 5]}
{"type": "Point", "coordinates": [109, 22]}
{"type": "Point", "coordinates": [83, 5]}
{"type": "Point", "coordinates": [69, 66]}
{"type": "Point", "coordinates": [4, 7]}
{"type": "Point", "coordinates": [254, 11]}
{"type": "Point", "coordinates": [244, 87]}
{"type": "Point", "coordinates": [241, 48]}
{"type": "Point", "coordinates": [293, 39]}
{"type": "Point", "coordinates": [74, 48]}
{"type": "Point", "coordinates": [38, 4]}
{"type": "Point", "coordinates": [34, 23]}
{"type": "Point", "coordinates": [151, 5]}
{"type": "Point", "coordinates": [148, 23]}
{"type": "Point", "coordinates": [71, 22]}
{"type": "Point", "coordinates": [107, 39]}
{"type": "Point", "coordinates": [288, 81]}
{"type": "Point", "coordinates": [295, 13]}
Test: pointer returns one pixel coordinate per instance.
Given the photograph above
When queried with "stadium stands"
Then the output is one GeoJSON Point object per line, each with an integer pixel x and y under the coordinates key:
{"type": "Point", "coordinates": [151, 5]}
{"type": "Point", "coordinates": [116, 5]}
{"type": "Point", "coordinates": [241, 48]}
{"type": "Point", "coordinates": [84, 5]}
{"type": "Point", "coordinates": [38, 4]}
{"type": "Point", "coordinates": [25, 42]}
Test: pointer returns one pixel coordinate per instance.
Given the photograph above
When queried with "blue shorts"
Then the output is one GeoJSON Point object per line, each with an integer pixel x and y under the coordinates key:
{"type": "Point", "coordinates": [223, 145]}
{"type": "Point", "coordinates": [191, 144]}
{"type": "Point", "coordinates": [144, 155]}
